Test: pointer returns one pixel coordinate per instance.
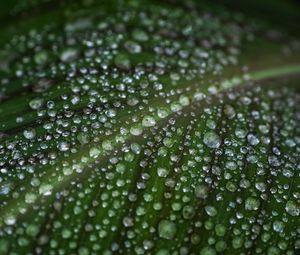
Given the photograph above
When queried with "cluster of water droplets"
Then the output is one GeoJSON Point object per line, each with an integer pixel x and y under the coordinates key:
{"type": "Point", "coordinates": [114, 136]}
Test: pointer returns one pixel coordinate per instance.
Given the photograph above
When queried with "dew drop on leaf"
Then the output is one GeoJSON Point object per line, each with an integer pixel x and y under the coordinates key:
{"type": "Point", "coordinates": [212, 140]}
{"type": "Point", "coordinates": [292, 208]}
{"type": "Point", "coordinates": [148, 121]}
{"type": "Point", "coordinates": [252, 203]}
{"type": "Point", "coordinates": [29, 133]}
{"type": "Point", "coordinates": [167, 229]}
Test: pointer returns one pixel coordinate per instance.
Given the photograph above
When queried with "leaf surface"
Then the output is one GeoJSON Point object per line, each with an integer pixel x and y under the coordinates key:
{"type": "Point", "coordinates": [149, 127]}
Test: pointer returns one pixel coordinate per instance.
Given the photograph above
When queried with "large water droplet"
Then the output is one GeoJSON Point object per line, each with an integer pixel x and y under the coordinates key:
{"type": "Point", "coordinates": [167, 229]}
{"type": "Point", "coordinates": [212, 140]}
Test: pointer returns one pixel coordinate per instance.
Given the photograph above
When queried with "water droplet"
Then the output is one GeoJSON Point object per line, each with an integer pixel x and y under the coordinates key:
{"type": "Point", "coordinates": [41, 57]}
{"type": "Point", "coordinates": [162, 172]}
{"type": "Point", "coordinates": [67, 170]}
{"type": "Point", "coordinates": [148, 121]}
{"type": "Point", "coordinates": [188, 212]}
{"type": "Point", "coordinates": [201, 191]}
{"type": "Point", "coordinates": [139, 35]}
{"type": "Point", "coordinates": [212, 140]}
{"type": "Point", "coordinates": [278, 226]}
{"type": "Point", "coordinates": [167, 229]}
{"type": "Point", "coordinates": [30, 198]}
{"type": "Point", "coordinates": [208, 251]}
{"type": "Point", "coordinates": [292, 208]}
{"type": "Point", "coordinates": [162, 113]}
{"type": "Point", "coordinates": [5, 187]}
{"type": "Point", "coordinates": [29, 133]}
{"type": "Point", "coordinates": [66, 233]}
{"type": "Point", "coordinates": [107, 145]}
{"type": "Point", "coordinates": [132, 47]}
{"type": "Point", "coordinates": [63, 146]}
{"type": "Point", "coordinates": [69, 55]}
{"type": "Point", "coordinates": [252, 139]}
{"type": "Point", "coordinates": [252, 204]}
{"type": "Point", "coordinates": [210, 210]}
{"type": "Point", "coordinates": [229, 111]}
{"type": "Point", "coordinates": [36, 103]}
{"type": "Point", "coordinates": [45, 189]}
{"type": "Point", "coordinates": [83, 138]}
{"type": "Point", "coordinates": [220, 230]}
{"type": "Point", "coordinates": [136, 130]}
{"type": "Point", "coordinates": [32, 230]}
{"type": "Point", "coordinates": [94, 152]}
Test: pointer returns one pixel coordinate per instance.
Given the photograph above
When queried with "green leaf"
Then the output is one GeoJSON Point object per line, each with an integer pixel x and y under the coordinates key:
{"type": "Point", "coordinates": [149, 127]}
